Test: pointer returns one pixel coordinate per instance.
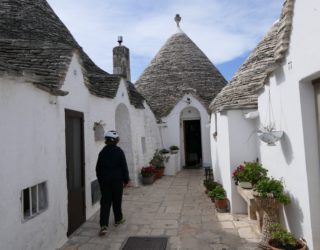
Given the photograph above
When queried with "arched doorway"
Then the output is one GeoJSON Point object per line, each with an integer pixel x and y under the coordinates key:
{"type": "Point", "coordinates": [191, 136]}
{"type": "Point", "coordinates": [122, 119]}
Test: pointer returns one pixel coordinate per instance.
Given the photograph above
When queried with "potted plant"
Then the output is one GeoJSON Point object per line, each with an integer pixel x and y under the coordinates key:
{"type": "Point", "coordinates": [147, 174]}
{"type": "Point", "coordinates": [249, 174]}
{"type": "Point", "coordinates": [269, 194]}
{"type": "Point", "coordinates": [174, 149]}
{"type": "Point", "coordinates": [164, 151]}
{"type": "Point", "coordinates": [210, 185]}
{"type": "Point", "coordinates": [282, 239]}
{"type": "Point", "coordinates": [158, 161]}
{"type": "Point", "coordinates": [211, 195]}
{"type": "Point", "coordinates": [220, 198]}
{"type": "Point", "coordinates": [236, 173]}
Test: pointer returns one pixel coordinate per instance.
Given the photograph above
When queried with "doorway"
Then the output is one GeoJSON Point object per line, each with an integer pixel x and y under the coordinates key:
{"type": "Point", "coordinates": [123, 128]}
{"type": "Point", "coordinates": [192, 142]}
{"type": "Point", "coordinates": [75, 169]}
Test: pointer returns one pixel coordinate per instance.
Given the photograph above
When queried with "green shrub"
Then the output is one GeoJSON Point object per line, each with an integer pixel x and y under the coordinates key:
{"type": "Point", "coordinates": [159, 159]}
{"type": "Point", "coordinates": [218, 193]}
{"type": "Point", "coordinates": [173, 147]}
{"type": "Point", "coordinates": [270, 187]}
{"type": "Point", "coordinates": [281, 238]}
{"type": "Point", "coordinates": [210, 184]}
{"type": "Point", "coordinates": [251, 172]}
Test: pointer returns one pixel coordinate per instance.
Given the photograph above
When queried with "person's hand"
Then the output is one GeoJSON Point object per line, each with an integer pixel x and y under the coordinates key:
{"type": "Point", "coordinates": [125, 185]}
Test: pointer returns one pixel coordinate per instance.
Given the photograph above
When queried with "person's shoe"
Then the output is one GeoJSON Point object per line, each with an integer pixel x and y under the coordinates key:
{"type": "Point", "coordinates": [117, 223]}
{"type": "Point", "coordinates": [103, 230]}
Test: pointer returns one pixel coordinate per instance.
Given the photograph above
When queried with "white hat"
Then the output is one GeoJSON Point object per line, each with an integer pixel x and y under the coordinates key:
{"type": "Point", "coordinates": [111, 134]}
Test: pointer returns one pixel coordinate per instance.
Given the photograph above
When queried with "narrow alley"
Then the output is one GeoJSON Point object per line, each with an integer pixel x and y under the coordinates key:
{"type": "Point", "coordinates": [176, 207]}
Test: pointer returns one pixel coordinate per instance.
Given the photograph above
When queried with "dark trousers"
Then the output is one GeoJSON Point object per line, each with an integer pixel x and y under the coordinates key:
{"type": "Point", "coordinates": [111, 194]}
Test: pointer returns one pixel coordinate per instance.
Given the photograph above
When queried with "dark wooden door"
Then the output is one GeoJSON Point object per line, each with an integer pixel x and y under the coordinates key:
{"type": "Point", "coordinates": [75, 169]}
{"type": "Point", "coordinates": [192, 142]}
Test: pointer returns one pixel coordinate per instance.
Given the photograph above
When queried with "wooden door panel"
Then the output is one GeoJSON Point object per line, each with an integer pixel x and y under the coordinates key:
{"type": "Point", "coordinates": [75, 169]}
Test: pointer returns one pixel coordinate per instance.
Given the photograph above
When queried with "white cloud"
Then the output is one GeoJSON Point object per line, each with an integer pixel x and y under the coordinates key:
{"type": "Point", "coordinates": [223, 30]}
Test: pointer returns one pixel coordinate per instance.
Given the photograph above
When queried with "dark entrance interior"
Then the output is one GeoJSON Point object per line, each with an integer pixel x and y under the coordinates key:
{"type": "Point", "coordinates": [75, 169]}
{"type": "Point", "coordinates": [192, 142]}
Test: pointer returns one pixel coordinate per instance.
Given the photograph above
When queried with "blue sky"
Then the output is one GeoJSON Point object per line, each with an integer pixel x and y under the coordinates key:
{"type": "Point", "coordinates": [225, 30]}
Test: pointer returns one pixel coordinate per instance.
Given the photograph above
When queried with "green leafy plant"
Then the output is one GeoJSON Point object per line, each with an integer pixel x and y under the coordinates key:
{"type": "Point", "coordinates": [173, 147]}
{"type": "Point", "coordinates": [164, 151]}
{"type": "Point", "coordinates": [158, 159]}
{"type": "Point", "coordinates": [251, 172]}
{"type": "Point", "coordinates": [281, 238]}
{"type": "Point", "coordinates": [210, 184]}
{"type": "Point", "coordinates": [218, 193]}
{"type": "Point", "coordinates": [270, 187]}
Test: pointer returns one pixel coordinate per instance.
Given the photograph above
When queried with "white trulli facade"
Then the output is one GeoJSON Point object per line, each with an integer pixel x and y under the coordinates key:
{"type": "Point", "coordinates": [179, 84]}
{"type": "Point", "coordinates": [291, 86]}
{"type": "Point", "coordinates": [55, 104]}
{"type": "Point", "coordinates": [33, 129]}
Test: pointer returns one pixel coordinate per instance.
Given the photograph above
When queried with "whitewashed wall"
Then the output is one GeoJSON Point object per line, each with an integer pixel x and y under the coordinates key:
{"type": "Point", "coordinates": [172, 133]}
{"type": "Point", "coordinates": [295, 158]}
{"type": "Point", "coordinates": [236, 142]}
{"type": "Point", "coordinates": [33, 129]}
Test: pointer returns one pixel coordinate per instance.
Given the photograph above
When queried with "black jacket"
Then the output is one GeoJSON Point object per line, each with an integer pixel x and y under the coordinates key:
{"type": "Point", "coordinates": [112, 164]}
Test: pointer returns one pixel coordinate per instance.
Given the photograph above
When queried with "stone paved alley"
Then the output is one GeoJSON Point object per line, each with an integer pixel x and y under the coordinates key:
{"type": "Point", "coordinates": [176, 207]}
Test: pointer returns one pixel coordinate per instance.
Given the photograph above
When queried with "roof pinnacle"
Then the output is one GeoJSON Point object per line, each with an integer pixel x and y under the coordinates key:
{"type": "Point", "coordinates": [177, 20]}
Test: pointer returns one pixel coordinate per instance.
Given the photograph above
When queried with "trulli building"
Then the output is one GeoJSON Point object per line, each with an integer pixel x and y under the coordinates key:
{"type": "Point", "coordinates": [179, 84]}
{"type": "Point", "coordinates": [277, 86]}
{"type": "Point", "coordinates": [55, 104]}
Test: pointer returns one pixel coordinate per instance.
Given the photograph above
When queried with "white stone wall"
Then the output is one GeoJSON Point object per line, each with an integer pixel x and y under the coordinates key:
{"type": "Point", "coordinates": [172, 132]}
{"type": "Point", "coordinates": [236, 142]}
{"type": "Point", "coordinates": [296, 156]}
{"type": "Point", "coordinates": [32, 132]}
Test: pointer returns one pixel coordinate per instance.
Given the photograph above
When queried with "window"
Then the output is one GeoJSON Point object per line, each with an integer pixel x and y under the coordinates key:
{"type": "Point", "coordinates": [34, 200]}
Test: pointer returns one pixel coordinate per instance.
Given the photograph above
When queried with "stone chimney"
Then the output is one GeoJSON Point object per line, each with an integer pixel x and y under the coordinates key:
{"type": "Point", "coordinates": [121, 60]}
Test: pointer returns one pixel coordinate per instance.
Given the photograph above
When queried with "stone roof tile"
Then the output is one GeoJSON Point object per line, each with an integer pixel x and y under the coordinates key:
{"type": "Point", "coordinates": [34, 43]}
{"type": "Point", "coordinates": [180, 67]}
{"type": "Point", "coordinates": [242, 91]}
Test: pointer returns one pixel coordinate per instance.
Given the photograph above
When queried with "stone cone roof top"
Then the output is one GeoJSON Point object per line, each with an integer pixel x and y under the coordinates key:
{"type": "Point", "coordinates": [180, 67]}
{"type": "Point", "coordinates": [242, 91]}
{"type": "Point", "coordinates": [35, 44]}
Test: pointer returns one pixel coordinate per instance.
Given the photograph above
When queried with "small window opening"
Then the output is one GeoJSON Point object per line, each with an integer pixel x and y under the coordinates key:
{"type": "Point", "coordinates": [34, 200]}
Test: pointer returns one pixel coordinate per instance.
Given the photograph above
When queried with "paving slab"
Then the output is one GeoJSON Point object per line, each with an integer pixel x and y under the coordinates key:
{"type": "Point", "coordinates": [176, 207]}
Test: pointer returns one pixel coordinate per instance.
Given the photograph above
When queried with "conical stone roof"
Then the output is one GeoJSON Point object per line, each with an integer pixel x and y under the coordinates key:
{"type": "Point", "coordinates": [180, 67]}
{"type": "Point", "coordinates": [35, 44]}
{"type": "Point", "coordinates": [243, 90]}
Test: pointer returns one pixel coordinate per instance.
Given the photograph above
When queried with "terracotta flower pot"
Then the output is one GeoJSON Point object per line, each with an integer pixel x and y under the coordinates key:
{"type": "Point", "coordinates": [159, 173]}
{"type": "Point", "coordinates": [221, 204]}
{"type": "Point", "coordinates": [300, 245]}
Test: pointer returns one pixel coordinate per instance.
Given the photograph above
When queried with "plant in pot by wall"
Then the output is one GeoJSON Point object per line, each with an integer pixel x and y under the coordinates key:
{"type": "Point", "coordinates": [147, 174]}
{"type": "Point", "coordinates": [164, 151]}
{"type": "Point", "coordinates": [282, 239]}
{"type": "Point", "coordinates": [249, 174]}
{"type": "Point", "coordinates": [211, 195]}
{"type": "Point", "coordinates": [174, 149]}
{"type": "Point", "coordinates": [210, 185]}
{"type": "Point", "coordinates": [269, 194]}
{"type": "Point", "coordinates": [236, 173]}
{"type": "Point", "coordinates": [158, 161]}
{"type": "Point", "coordinates": [220, 198]}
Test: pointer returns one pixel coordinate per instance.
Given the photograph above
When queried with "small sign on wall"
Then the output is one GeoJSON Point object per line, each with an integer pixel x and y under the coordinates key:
{"type": "Point", "coordinates": [95, 192]}
{"type": "Point", "coordinates": [98, 131]}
